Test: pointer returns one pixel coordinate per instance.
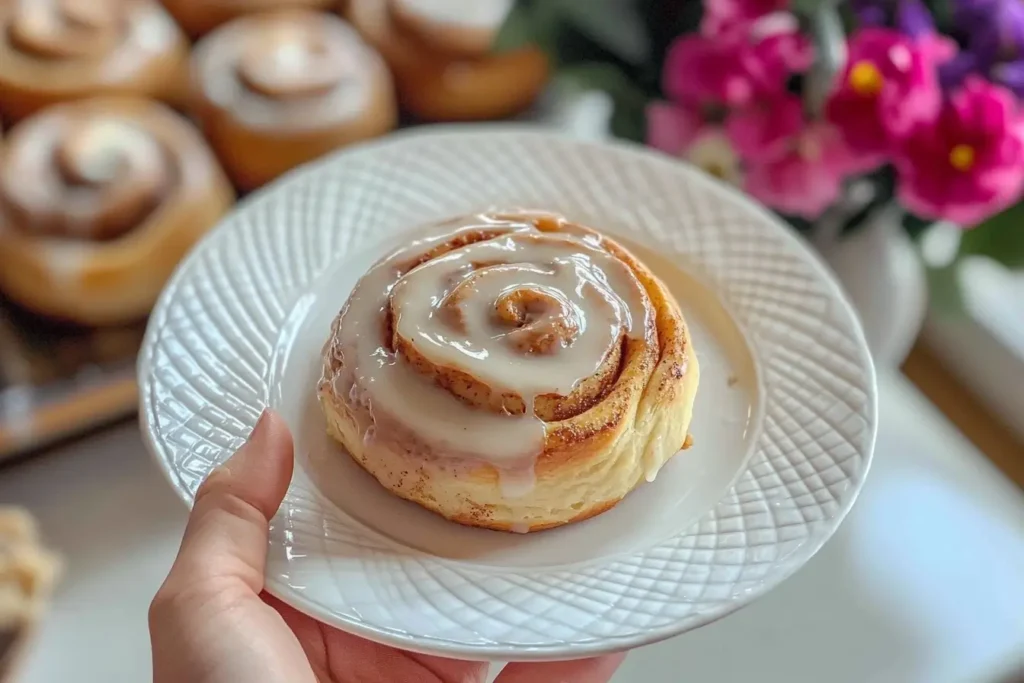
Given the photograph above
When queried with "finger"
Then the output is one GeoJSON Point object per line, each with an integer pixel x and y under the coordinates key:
{"type": "Point", "coordinates": [349, 657]}
{"type": "Point", "coordinates": [226, 535]}
{"type": "Point", "coordinates": [596, 670]}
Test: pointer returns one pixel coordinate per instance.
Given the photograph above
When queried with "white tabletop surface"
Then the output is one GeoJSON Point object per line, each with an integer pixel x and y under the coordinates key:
{"type": "Point", "coordinates": [923, 583]}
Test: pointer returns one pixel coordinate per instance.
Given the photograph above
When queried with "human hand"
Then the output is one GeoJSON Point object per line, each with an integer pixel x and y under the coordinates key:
{"type": "Point", "coordinates": [211, 623]}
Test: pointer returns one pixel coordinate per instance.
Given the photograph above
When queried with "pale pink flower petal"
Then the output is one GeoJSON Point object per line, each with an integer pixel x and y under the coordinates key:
{"type": "Point", "coordinates": [804, 181]}
{"type": "Point", "coordinates": [671, 128]}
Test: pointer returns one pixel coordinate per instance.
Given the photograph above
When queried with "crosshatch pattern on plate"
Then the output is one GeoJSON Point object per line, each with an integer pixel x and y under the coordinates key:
{"type": "Point", "coordinates": [204, 395]}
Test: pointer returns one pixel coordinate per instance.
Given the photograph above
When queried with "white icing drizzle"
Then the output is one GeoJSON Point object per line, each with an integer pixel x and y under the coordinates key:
{"type": "Point", "coordinates": [558, 286]}
{"type": "Point", "coordinates": [471, 13]}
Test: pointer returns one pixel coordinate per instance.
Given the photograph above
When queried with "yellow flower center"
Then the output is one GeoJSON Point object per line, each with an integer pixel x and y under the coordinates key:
{"type": "Point", "coordinates": [865, 78]}
{"type": "Point", "coordinates": [717, 170]}
{"type": "Point", "coordinates": [961, 157]}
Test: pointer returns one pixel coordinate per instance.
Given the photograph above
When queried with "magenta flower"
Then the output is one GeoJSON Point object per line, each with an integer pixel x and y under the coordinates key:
{"type": "Point", "coordinates": [763, 131]}
{"type": "Point", "coordinates": [702, 71]}
{"type": "Point", "coordinates": [724, 15]}
{"type": "Point", "coordinates": [889, 84]}
{"type": "Point", "coordinates": [738, 66]}
{"type": "Point", "coordinates": [806, 178]}
{"type": "Point", "coordinates": [968, 162]}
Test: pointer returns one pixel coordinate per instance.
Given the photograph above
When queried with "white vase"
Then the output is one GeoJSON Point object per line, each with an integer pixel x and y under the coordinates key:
{"type": "Point", "coordinates": [882, 272]}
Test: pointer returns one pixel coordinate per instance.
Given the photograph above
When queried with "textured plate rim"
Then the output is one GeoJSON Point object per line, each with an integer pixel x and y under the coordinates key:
{"type": "Point", "coordinates": [553, 651]}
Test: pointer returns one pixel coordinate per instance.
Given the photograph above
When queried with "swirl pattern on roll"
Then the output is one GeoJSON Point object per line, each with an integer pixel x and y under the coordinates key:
{"type": "Point", "coordinates": [99, 200]}
{"type": "Point", "coordinates": [90, 176]}
{"type": "Point", "coordinates": [294, 70]}
{"type": "Point", "coordinates": [503, 339]}
{"type": "Point", "coordinates": [64, 29]}
{"type": "Point", "coordinates": [57, 50]}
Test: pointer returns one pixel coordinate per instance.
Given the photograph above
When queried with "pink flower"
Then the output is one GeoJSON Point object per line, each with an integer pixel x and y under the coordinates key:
{"type": "Point", "coordinates": [684, 135]}
{"type": "Point", "coordinates": [806, 178]}
{"type": "Point", "coordinates": [721, 15]}
{"type": "Point", "coordinates": [701, 71]}
{"type": "Point", "coordinates": [671, 128]}
{"type": "Point", "coordinates": [889, 84]}
{"type": "Point", "coordinates": [780, 46]}
{"type": "Point", "coordinates": [763, 131]}
{"type": "Point", "coordinates": [737, 66]}
{"type": "Point", "coordinates": [968, 162]}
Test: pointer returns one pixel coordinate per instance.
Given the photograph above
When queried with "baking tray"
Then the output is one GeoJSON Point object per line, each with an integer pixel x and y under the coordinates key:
{"type": "Point", "coordinates": [57, 380]}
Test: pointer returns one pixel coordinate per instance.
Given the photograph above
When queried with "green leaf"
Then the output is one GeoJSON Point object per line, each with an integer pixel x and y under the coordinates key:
{"type": "Point", "coordinates": [529, 23]}
{"type": "Point", "coordinates": [883, 182]}
{"type": "Point", "coordinates": [942, 10]}
{"type": "Point", "coordinates": [617, 25]}
{"type": "Point", "coordinates": [667, 20]}
{"type": "Point", "coordinates": [809, 7]}
{"type": "Point", "coordinates": [1001, 238]}
{"type": "Point", "coordinates": [628, 99]}
{"type": "Point", "coordinates": [915, 225]}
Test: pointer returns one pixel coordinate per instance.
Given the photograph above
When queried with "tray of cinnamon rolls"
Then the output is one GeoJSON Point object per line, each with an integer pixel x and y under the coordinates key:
{"type": "Point", "coordinates": [129, 128]}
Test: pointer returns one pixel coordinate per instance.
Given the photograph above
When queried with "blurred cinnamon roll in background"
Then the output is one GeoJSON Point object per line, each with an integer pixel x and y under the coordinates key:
{"type": "Point", "coordinates": [58, 50]}
{"type": "Point", "coordinates": [463, 28]}
{"type": "Point", "coordinates": [516, 372]}
{"type": "Point", "coordinates": [27, 575]}
{"type": "Point", "coordinates": [440, 54]}
{"type": "Point", "coordinates": [199, 17]}
{"type": "Point", "coordinates": [276, 90]}
{"type": "Point", "coordinates": [99, 200]}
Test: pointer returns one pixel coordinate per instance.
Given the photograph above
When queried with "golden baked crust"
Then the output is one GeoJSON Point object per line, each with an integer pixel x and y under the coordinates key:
{"type": "Point", "coordinates": [599, 441]}
{"type": "Point", "coordinates": [99, 200]}
{"type": "Point", "coordinates": [435, 85]}
{"type": "Point", "coordinates": [60, 50]}
{"type": "Point", "coordinates": [276, 90]}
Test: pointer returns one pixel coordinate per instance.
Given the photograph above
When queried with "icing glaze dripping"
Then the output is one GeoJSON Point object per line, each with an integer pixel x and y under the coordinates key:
{"type": "Point", "coordinates": [490, 301]}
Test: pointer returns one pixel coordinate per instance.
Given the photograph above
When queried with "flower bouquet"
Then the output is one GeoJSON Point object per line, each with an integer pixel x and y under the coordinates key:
{"type": "Point", "coordinates": [827, 113]}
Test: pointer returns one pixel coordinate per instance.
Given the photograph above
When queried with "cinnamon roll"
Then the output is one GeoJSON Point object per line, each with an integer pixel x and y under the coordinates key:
{"type": "Point", "coordinates": [443, 84]}
{"type": "Point", "coordinates": [510, 371]}
{"type": "Point", "coordinates": [99, 199]}
{"type": "Point", "coordinates": [199, 17]}
{"type": "Point", "coordinates": [58, 50]}
{"type": "Point", "coordinates": [27, 575]}
{"type": "Point", "coordinates": [277, 90]}
{"type": "Point", "coordinates": [465, 28]}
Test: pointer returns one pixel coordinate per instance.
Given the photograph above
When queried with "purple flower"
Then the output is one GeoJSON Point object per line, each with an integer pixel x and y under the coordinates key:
{"type": "Point", "coordinates": [910, 17]}
{"type": "Point", "coordinates": [993, 32]}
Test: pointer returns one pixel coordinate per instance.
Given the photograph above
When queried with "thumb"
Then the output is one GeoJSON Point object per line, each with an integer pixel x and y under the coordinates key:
{"type": "Point", "coordinates": [594, 670]}
{"type": "Point", "coordinates": [226, 535]}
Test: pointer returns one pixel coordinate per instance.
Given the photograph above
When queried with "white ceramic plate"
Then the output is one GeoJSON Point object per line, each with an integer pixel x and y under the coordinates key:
{"type": "Point", "coordinates": [784, 423]}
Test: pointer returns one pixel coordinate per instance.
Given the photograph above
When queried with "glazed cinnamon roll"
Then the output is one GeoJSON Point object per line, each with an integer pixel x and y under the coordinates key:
{"type": "Point", "coordinates": [464, 28]}
{"type": "Point", "coordinates": [199, 17]}
{"type": "Point", "coordinates": [510, 371]}
{"type": "Point", "coordinates": [437, 83]}
{"type": "Point", "coordinates": [99, 199]}
{"type": "Point", "coordinates": [277, 90]}
{"type": "Point", "coordinates": [58, 50]}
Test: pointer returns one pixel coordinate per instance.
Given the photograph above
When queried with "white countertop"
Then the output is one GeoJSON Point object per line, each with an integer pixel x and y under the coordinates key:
{"type": "Point", "coordinates": [923, 583]}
